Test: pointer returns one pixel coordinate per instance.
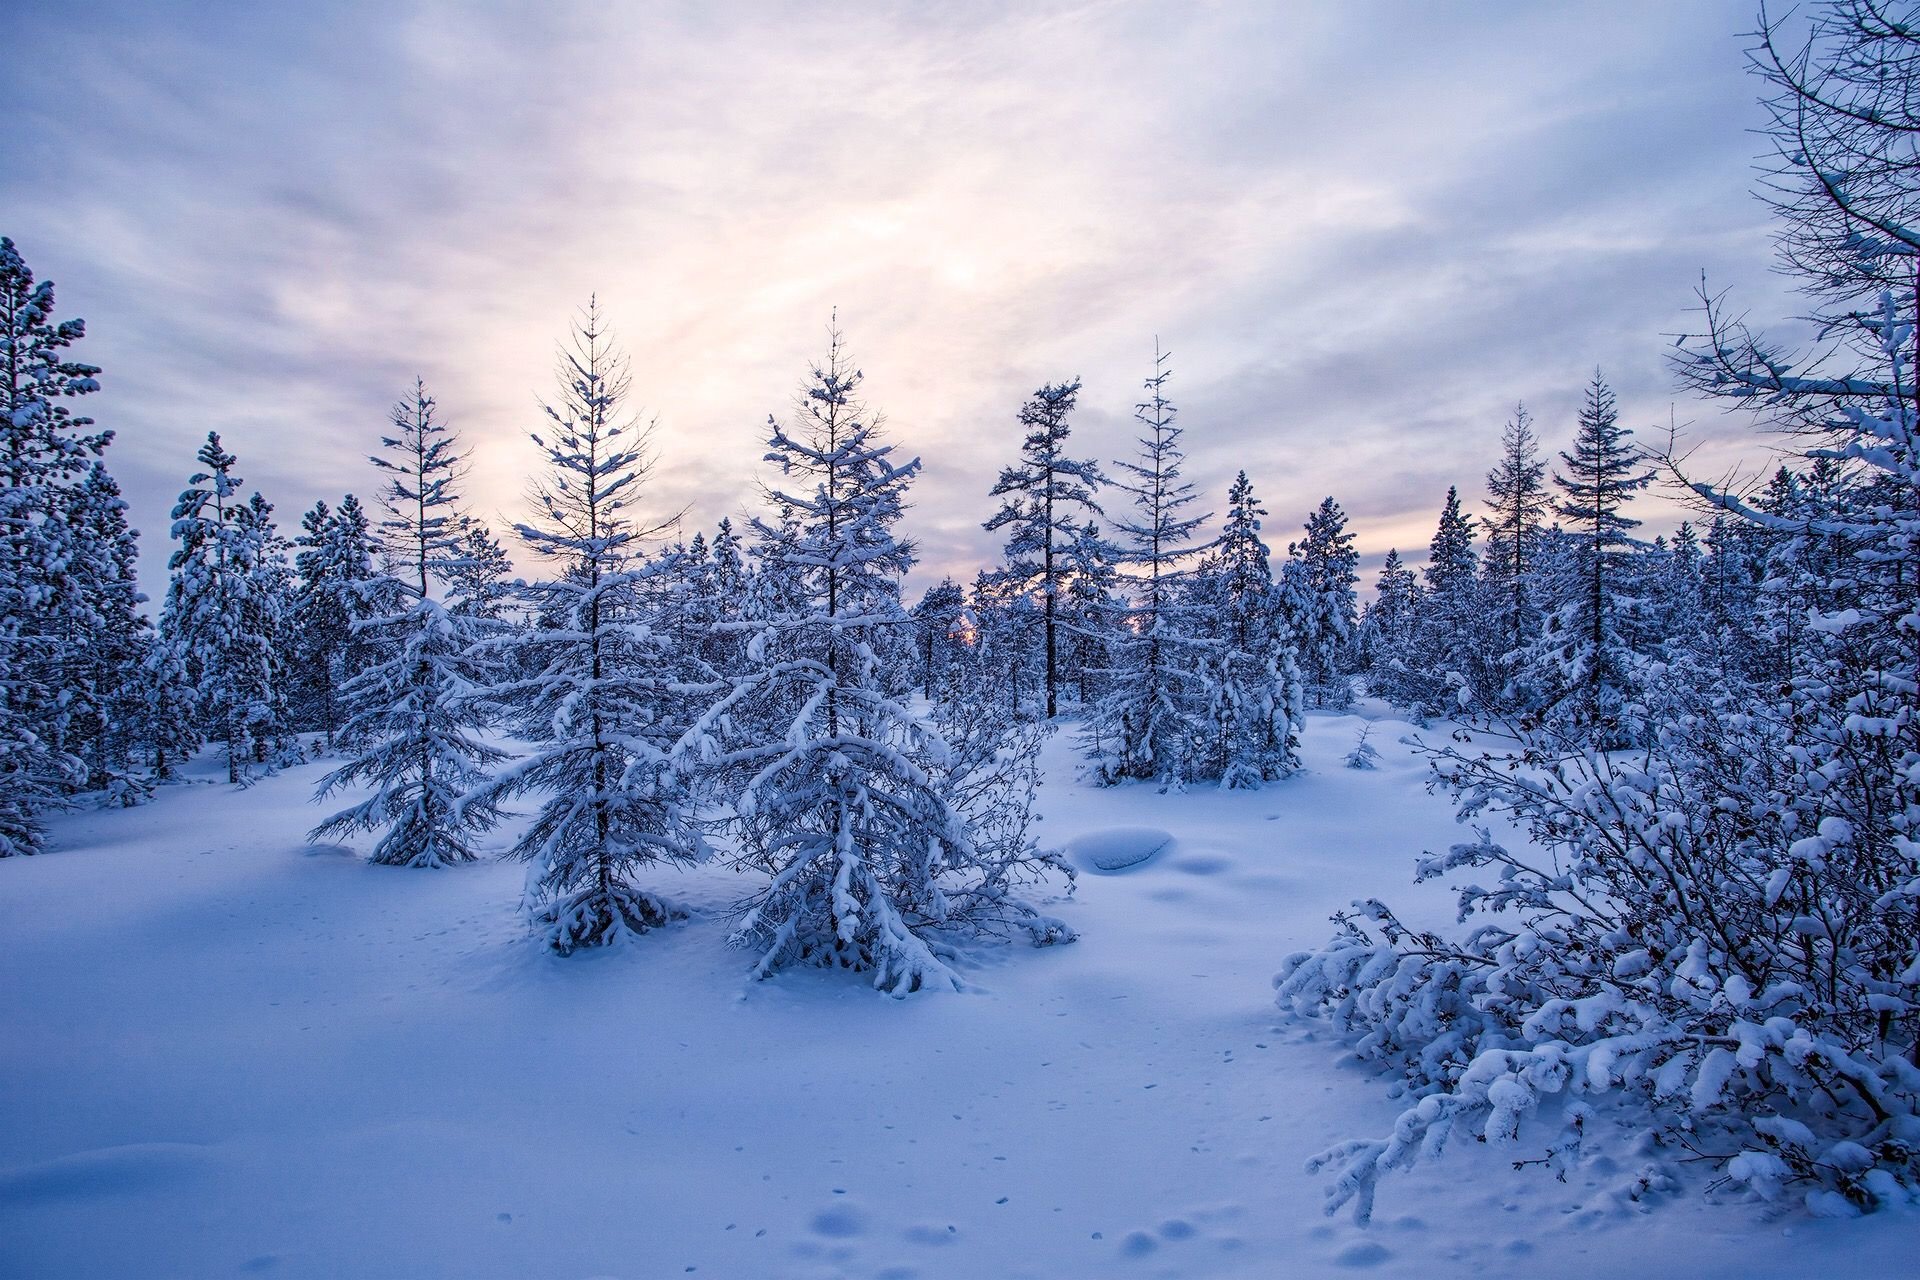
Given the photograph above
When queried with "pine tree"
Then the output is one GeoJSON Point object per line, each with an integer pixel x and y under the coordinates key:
{"type": "Point", "coordinates": [1146, 725]}
{"type": "Point", "coordinates": [480, 581]}
{"type": "Point", "coordinates": [1445, 654]}
{"type": "Point", "coordinates": [934, 617]}
{"type": "Point", "coordinates": [412, 713]}
{"type": "Point", "coordinates": [335, 570]}
{"type": "Point", "coordinates": [1043, 494]}
{"type": "Point", "coordinates": [1090, 612]}
{"type": "Point", "coordinates": [1594, 667]}
{"type": "Point", "coordinates": [1254, 712]}
{"type": "Point", "coordinates": [1318, 586]}
{"type": "Point", "coordinates": [212, 617]}
{"type": "Point", "coordinates": [1382, 639]}
{"type": "Point", "coordinates": [45, 451]}
{"type": "Point", "coordinates": [838, 792]}
{"type": "Point", "coordinates": [1517, 509]}
{"type": "Point", "coordinates": [114, 638]}
{"type": "Point", "coordinates": [608, 694]}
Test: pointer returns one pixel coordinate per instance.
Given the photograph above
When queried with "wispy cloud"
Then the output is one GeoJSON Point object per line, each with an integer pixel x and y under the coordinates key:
{"type": "Point", "coordinates": [1365, 231]}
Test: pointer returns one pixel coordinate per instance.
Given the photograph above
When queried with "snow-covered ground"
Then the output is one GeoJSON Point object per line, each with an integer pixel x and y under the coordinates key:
{"type": "Point", "coordinates": [223, 1052]}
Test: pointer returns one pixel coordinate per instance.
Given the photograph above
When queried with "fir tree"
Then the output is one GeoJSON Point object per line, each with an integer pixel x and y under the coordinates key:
{"type": "Point", "coordinates": [1444, 654]}
{"type": "Point", "coordinates": [212, 620]}
{"type": "Point", "coordinates": [1254, 690]}
{"type": "Point", "coordinates": [608, 693]}
{"type": "Point", "coordinates": [1043, 494]}
{"type": "Point", "coordinates": [1382, 640]}
{"type": "Point", "coordinates": [335, 570]}
{"type": "Point", "coordinates": [1155, 710]}
{"type": "Point", "coordinates": [838, 792]}
{"type": "Point", "coordinates": [935, 616]}
{"type": "Point", "coordinates": [412, 713]}
{"type": "Point", "coordinates": [269, 609]}
{"type": "Point", "coordinates": [114, 639]}
{"type": "Point", "coordinates": [1318, 587]}
{"type": "Point", "coordinates": [1090, 612]}
{"type": "Point", "coordinates": [45, 450]}
{"type": "Point", "coordinates": [480, 580]}
{"type": "Point", "coordinates": [1517, 507]}
{"type": "Point", "coordinates": [1594, 667]}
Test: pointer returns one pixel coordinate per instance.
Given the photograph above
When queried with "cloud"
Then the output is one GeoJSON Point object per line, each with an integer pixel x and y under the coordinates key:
{"type": "Point", "coordinates": [1365, 232]}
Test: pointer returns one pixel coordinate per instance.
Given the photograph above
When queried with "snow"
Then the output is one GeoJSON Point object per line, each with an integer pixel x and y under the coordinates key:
{"type": "Point", "coordinates": [230, 1053]}
{"type": "Point", "coordinates": [1115, 849]}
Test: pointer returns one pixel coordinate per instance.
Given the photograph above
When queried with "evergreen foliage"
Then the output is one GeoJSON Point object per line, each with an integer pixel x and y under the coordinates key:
{"type": "Point", "coordinates": [606, 694]}
{"type": "Point", "coordinates": [847, 801]}
{"type": "Point", "coordinates": [1043, 495]}
{"type": "Point", "coordinates": [413, 713]}
{"type": "Point", "coordinates": [1156, 706]}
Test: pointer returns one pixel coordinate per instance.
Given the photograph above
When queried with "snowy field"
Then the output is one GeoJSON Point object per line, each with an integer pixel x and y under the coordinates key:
{"type": "Point", "coordinates": [228, 1053]}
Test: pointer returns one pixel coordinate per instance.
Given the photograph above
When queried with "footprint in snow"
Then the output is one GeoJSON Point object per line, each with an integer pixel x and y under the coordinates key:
{"type": "Point", "coordinates": [1367, 1253]}
{"type": "Point", "coordinates": [841, 1222]}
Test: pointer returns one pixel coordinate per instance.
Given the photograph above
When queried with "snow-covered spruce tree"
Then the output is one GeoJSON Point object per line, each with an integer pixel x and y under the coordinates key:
{"type": "Point", "coordinates": [1716, 929]}
{"type": "Point", "coordinates": [1009, 651]}
{"type": "Point", "coordinates": [843, 797]}
{"type": "Point", "coordinates": [1445, 670]}
{"type": "Point", "coordinates": [934, 618]}
{"type": "Point", "coordinates": [113, 639]}
{"type": "Point", "coordinates": [1517, 507]}
{"type": "Point", "coordinates": [46, 601]}
{"type": "Point", "coordinates": [1381, 640]}
{"type": "Point", "coordinates": [1155, 708]}
{"type": "Point", "coordinates": [412, 716]}
{"type": "Point", "coordinates": [727, 588]}
{"type": "Point", "coordinates": [1089, 613]}
{"type": "Point", "coordinates": [606, 694]}
{"type": "Point", "coordinates": [1256, 695]}
{"type": "Point", "coordinates": [481, 580]}
{"type": "Point", "coordinates": [214, 624]}
{"type": "Point", "coordinates": [171, 728]}
{"type": "Point", "coordinates": [336, 584]}
{"type": "Point", "coordinates": [269, 723]}
{"type": "Point", "coordinates": [1584, 658]}
{"type": "Point", "coordinates": [1317, 588]}
{"type": "Point", "coordinates": [1043, 495]}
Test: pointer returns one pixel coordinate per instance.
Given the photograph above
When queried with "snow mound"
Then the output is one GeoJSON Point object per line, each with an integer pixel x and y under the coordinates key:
{"type": "Point", "coordinates": [1118, 848]}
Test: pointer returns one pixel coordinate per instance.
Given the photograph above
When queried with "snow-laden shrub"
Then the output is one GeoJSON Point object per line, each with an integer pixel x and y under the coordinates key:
{"type": "Point", "coordinates": [1716, 933]}
{"type": "Point", "coordinates": [1364, 754]}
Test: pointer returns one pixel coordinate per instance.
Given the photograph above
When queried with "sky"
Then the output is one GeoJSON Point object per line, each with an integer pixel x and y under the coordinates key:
{"type": "Point", "coordinates": [1363, 231]}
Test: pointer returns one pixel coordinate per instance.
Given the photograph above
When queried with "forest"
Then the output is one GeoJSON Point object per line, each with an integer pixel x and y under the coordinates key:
{"type": "Point", "coordinates": [1686, 907]}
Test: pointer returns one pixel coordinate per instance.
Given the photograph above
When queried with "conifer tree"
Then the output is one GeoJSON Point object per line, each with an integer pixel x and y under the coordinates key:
{"type": "Point", "coordinates": [935, 616]}
{"type": "Point", "coordinates": [1043, 495]}
{"type": "Point", "coordinates": [1517, 507]}
{"type": "Point", "coordinates": [1593, 667]}
{"type": "Point", "coordinates": [45, 450]}
{"type": "Point", "coordinates": [1090, 612]}
{"type": "Point", "coordinates": [269, 611]}
{"type": "Point", "coordinates": [480, 580]}
{"type": "Point", "coordinates": [607, 694]}
{"type": "Point", "coordinates": [113, 639]}
{"type": "Point", "coordinates": [412, 714]}
{"type": "Point", "coordinates": [1444, 655]}
{"type": "Point", "coordinates": [1318, 586]}
{"type": "Point", "coordinates": [1146, 725]}
{"type": "Point", "coordinates": [212, 620]}
{"type": "Point", "coordinates": [336, 576]}
{"type": "Point", "coordinates": [838, 792]}
{"type": "Point", "coordinates": [1381, 643]}
{"type": "Point", "coordinates": [1254, 692]}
